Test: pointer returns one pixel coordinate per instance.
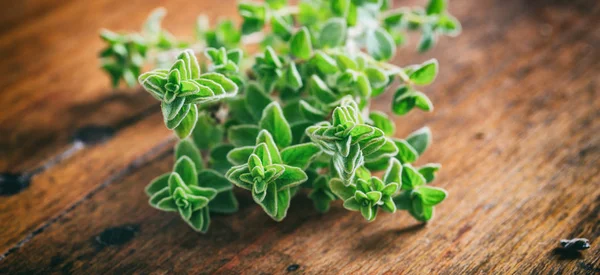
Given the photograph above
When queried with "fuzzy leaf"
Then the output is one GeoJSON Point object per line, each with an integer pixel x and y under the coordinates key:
{"type": "Point", "coordinates": [187, 148]}
{"type": "Point", "coordinates": [428, 171]}
{"type": "Point", "coordinates": [240, 155]}
{"type": "Point", "coordinates": [264, 137]}
{"type": "Point", "coordinates": [383, 122]}
{"type": "Point", "coordinates": [393, 172]}
{"type": "Point", "coordinates": [292, 176]}
{"type": "Point", "coordinates": [342, 191]}
{"type": "Point", "coordinates": [352, 204]}
{"type": "Point", "coordinates": [273, 121]}
{"type": "Point", "coordinates": [186, 169]}
{"type": "Point", "coordinates": [300, 45]}
{"type": "Point", "coordinates": [406, 154]}
{"type": "Point", "coordinates": [158, 184]}
{"type": "Point", "coordinates": [224, 203]}
{"type": "Point", "coordinates": [436, 6]}
{"type": "Point", "coordinates": [380, 44]}
{"type": "Point", "coordinates": [420, 139]}
{"type": "Point", "coordinates": [256, 100]}
{"type": "Point", "coordinates": [207, 132]}
{"type": "Point", "coordinates": [243, 135]}
{"type": "Point", "coordinates": [431, 195]}
{"type": "Point", "coordinates": [333, 33]}
{"type": "Point", "coordinates": [185, 128]}
{"type": "Point", "coordinates": [212, 179]}
{"type": "Point", "coordinates": [425, 74]}
{"type": "Point", "coordinates": [411, 179]}
{"type": "Point", "coordinates": [300, 155]}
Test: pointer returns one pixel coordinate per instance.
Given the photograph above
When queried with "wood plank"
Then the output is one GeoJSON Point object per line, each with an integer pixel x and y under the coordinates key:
{"type": "Point", "coordinates": [62, 186]}
{"type": "Point", "coordinates": [520, 154]}
{"type": "Point", "coordinates": [51, 82]}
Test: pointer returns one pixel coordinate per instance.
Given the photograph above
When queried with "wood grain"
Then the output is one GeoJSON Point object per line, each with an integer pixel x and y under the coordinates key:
{"type": "Point", "coordinates": [516, 127]}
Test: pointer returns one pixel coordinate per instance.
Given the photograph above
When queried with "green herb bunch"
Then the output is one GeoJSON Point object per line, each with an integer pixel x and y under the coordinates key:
{"type": "Point", "coordinates": [295, 118]}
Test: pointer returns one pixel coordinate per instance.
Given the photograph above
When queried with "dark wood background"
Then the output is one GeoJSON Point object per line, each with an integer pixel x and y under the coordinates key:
{"type": "Point", "coordinates": [516, 128]}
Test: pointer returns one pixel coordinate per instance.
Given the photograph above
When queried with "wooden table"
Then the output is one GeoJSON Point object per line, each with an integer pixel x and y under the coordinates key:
{"type": "Point", "coordinates": [516, 126]}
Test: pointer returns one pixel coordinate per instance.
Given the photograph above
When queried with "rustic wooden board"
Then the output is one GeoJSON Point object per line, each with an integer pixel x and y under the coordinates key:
{"type": "Point", "coordinates": [516, 127]}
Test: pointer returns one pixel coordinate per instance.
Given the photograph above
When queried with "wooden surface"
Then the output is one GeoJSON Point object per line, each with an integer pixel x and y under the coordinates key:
{"type": "Point", "coordinates": [516, 128]}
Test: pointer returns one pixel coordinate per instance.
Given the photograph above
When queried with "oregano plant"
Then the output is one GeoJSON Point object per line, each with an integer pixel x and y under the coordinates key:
{"type": "Point", "coordinates": [280, 106]}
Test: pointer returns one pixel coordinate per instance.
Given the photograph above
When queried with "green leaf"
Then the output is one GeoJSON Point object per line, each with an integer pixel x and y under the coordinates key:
{"type": "Point", "coordinates": [436, 6]}
{"type": "Point", "coordinates": [320, 91]}
{"type": "Point", "coordinates": [238, 110]}
{"type": "Point", "coordinates": [403, 100]}
{"type": "Point", "coordinates": [200, 220]}
{"type": "Point", "coordinates": [224, 203]}
{"type": "Point", "coordinates": [283, 204]}
{"type": "Point", "coordinates": [421, 212]}
{"type": "Point", "coordinates": [262, 152]}
{"type": "Point", "coordinates": [324, 63]}
{"type": "Point", "coordinates": [363, 85]}
{"type": "Point", "coordinates": [167, 204]}
{"type": "Point", "coordinates": [187, 148]}
{"type": "Point", "coordinates": [293, 79]}
{"type": "Point", "coordinates": [269, 202]}
{"type": "Point", "coordinates": [393, 172]}
{"type": "Point", "coordinates": [374, 196]}
{"type": "Point", "coordinates": [273, 121]}
{"type": "Point", "coordinates": [218, 157]}
{"type": "Point", "coordinates": [228, 85]}
{"type": "Point", "coordinates": [420, 140]}
{"type": "Point", "coordinates": [427, 40]}
{"type": "Point", "coordinates": [243, 135]}
{"type": "Point", "coordinates": [425, 74]}
{"type": "Point", "coordinates": [211, 179]}
{"type": "Point", "coordinates": [256, 100]}
{"type": "Point", "coordinates": [333, 33]}
{"type": "Point", "coordinates": [299, 131]}
{"type": "Point", "coordinates": [300, 45]}
{"type": "Point", "coordinates": [175, 182]}
{"type": "Point", "coordinates": [158, 184]}
{"type": "Point", "coordinates": [300, 155]}
{"type": "Point", "coordinates": [344, 62]}
{"type": "Point", "coordinates": [403, 201]}
{"type": "Point", "coordinates": [387, 150]}
{"type": "Point", "coordinates": [185, 128]}
{"type": "Point", "coordinates": [207, 132]}
{"type": "Point", "coordinates": [187, 171]}
{"type": "Point", "coordinates": [342, 191]}
{"type": "Point", "coordinates": [352, 204]}
{"type": "Point", "coordinates": [428, 171]}
{"type": "Point", "coordinates": [280, 27]}
{"type": "Point", "coordinates": [192, 67]}
{"type": "Point", "coordinates": [448, 25]}
{"type": "Point", "coordinates": [311, 113]}
{"type": "Point", "coordinates": [377, 77]}
{"type": "Point", "coordinates": [383, 122]}
{"type": "Point", "coordinates": [368, 212]}
{"type": "Point", "coordinates": [240, 155]}
{"type": "Point", "coordinates": [411, 179]}
{"type": "Point", "coordinates": [172, 109]}
{"type": "Point", "coordinates": [394, 18]}
{"type": "Point", "coordinates": [406, 154]}
{"type": "Point", "coordinates": [431, 195]}
{"type": "Point", "coordinates": [380, 44]}
{"type": "Point", "coordinates": [340, 7]}
{"type": "Point", "coordinates": [292, 176]}
{"type": "Point", "coordinates": [234, 176]}
{"type": "Point", "coordinates": [422, 102]}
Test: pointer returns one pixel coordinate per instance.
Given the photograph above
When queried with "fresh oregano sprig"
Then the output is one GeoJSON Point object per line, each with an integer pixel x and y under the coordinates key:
{"type": "Point", "coordinates": [294, 117]}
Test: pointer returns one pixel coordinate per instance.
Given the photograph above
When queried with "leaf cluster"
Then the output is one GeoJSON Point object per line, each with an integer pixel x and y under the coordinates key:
{"type": "Point", "coordinates": [191, 190]}
{"type": "Point", "coordinates": [295, 117]}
